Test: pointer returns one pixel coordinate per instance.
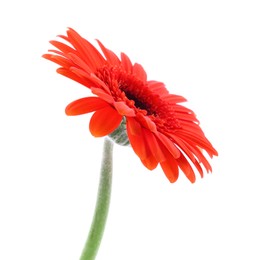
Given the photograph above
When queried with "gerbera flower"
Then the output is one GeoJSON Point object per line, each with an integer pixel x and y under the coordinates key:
{"type": "Point", "coordinates": [159, 130]}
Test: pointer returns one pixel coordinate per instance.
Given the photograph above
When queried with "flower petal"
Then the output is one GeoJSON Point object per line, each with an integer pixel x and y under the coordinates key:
{"type": "Point", "coordinates": [147, 122]}
{"type": "Point", "coordinates": [58, 60]}
{"type": "Point", "coordinates": [169, 145]}
{"type": "Point", "coordinates": [198, 152]}
{"type": "Point", "coordinates": [170, 169]}
{"type": "Point", "coordinates": [90, 80]}
{"type": "Point", "coordinates": [75, 59]}
{"type": "Point", "coordinates": [197, 138]}
{"type": "Point", "coordinates": [104, 121]}
{"type": "Point", "coordinates": [191, 152]}
{"type": "Point", "coordinates": [123, 109]}
{"type": "Point", "coordinates": [86, 50]}
{"type": "Point", "coordinates": [63, 47]}
{"type": "Point", "coordinates": [71, 75]}
{"type": "Point", "coordinates": [150, 162]}
{"type": "Point", "coordinates": [126, 63]}
{"type": "Point", "coordinates": [172, 98]}
{"type": "Point", "coordinates": [153, 145]}
{"type": "Point", "coordinates": [136, 138]}
{"type": "Point", "coordinates": [158, 88]}
{"type": "Point", "coordinates": [103, 95]}
{"type": "Point", "coordinates": [110, 55]}
{"type": "Point", "coordinates": [139, 143]}
{"type": "Point", "coordinates": [85, 105]}
{"type": "Point", "coordinates": [139, 72]}
{"type": "Point", "coordinates": [186, 168]}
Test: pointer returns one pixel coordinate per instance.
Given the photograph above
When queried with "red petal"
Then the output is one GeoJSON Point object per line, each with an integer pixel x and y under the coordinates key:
{"type": "Point", "coordinates": [183, 146]}
{"type": "Point", "coordinates": [104, 121]}
{"type": "Point", "coordinates": [85, 105]}
{"type": "Point", "coordinates": [100, 83]}
{"type": "Point", "coordinates": [170, 168]}
{"type": "Point", "coordinates": [198, 139]}
{"type": "Point", "coordinates": [140, 144]}
{"type": "Point", "coordinates": [133, 126]}
{"type": "Point", "coordinates": [139, 72]}
{"type": "Point", "coordinates": [186, 116]}
{"type": "Point", "coordinates": [69, 74]}
{"type": "Point", "coordinates": [186, 168]}
{"type": "Point", "coordinates": [83, 65]}
{"type": "Point", "coordinates": [169, 145]}
{"type": "Point", "coordinates": [102, 94]}
{"type": "Point", "coordinates": [123, 109]}
{"type": "Point", "coordinates": [153, 145]}
{"type": "Point", "coordinates": [191, 152]}
{"type": "Point", "coordinates": [110, 56]}
{"type": "Point", "coordinates": [199, 168]}
{"type": "Point", "coordinates": [201, 158]}
{"type": "Point", "coordinates": [147, 122]}
{"type": "Point", "coordinates": [136, 138]}
{"type": "Point", "coordinates": [63, 47]}
{"type": "Point", "coordinates": [126, 63]}
{"type": "Point", "coordinates": [158, 88]}
{"type": "Point", "coordinates": [58, 60]}
{"type": "Point", "coordinates": [95, 82]}
{"type": "Point", "coordinates": [150, 162]}
{"type": "Point", "coordinates": [88, 52]}
{"type": "Point", "coordinates": [180, 108]}
{"type": "Point", "coordinates": [171, 98]}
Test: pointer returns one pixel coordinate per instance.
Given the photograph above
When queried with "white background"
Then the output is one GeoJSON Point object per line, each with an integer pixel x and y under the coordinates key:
{"type": "Point", "coordinates": [49, 168]}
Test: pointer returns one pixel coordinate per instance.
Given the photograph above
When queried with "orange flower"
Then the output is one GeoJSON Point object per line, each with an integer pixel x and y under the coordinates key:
{"type": "Point", "coordinates": [160, 130]}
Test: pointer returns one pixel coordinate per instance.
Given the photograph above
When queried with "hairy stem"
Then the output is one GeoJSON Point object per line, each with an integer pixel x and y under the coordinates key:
{"type": "Point", "coordinates": [102, 205]}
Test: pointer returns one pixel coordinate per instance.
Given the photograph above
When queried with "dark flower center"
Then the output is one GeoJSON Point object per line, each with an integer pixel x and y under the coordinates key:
{"type": "Point", "coordinates": [138, 103]}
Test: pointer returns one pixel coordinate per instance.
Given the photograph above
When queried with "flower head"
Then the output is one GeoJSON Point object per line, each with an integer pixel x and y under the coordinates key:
{"type": "Point", "coordinates": [160, 130]}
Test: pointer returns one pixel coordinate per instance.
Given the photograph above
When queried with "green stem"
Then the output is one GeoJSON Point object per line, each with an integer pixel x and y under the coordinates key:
{"type": "Point", "coordinates": [102, 205]}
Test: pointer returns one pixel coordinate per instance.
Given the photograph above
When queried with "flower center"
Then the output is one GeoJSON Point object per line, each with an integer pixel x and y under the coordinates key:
{"type": "Point", "coordinates": [128, 88]}
{"type": "Point", "coordinates": [137, 95]}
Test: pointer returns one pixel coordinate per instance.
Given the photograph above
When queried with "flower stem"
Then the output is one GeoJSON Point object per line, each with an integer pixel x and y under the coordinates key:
{"type": "Point", "coordinates": [102, 205]}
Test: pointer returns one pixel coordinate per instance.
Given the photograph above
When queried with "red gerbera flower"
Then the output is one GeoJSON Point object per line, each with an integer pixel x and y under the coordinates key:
{"type": "Point", "coordinates": [160, 130]}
